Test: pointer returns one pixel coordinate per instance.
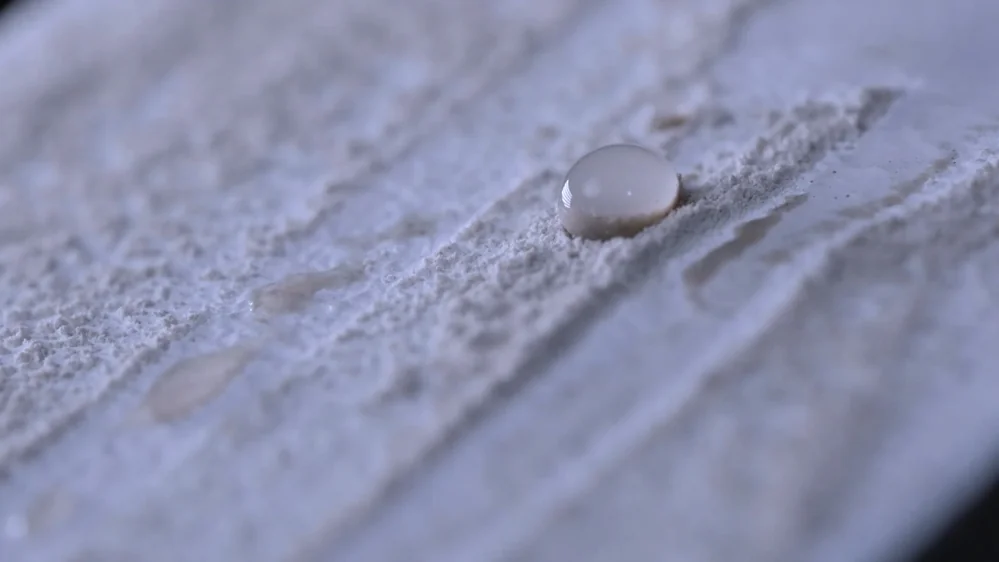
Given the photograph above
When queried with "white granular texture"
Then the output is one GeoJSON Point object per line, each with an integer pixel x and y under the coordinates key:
{"type": "Point", "coordinates": [282, 280]}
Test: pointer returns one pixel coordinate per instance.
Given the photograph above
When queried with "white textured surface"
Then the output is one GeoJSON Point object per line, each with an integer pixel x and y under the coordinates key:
{"type": "Point", "coordinates": [284, 280]}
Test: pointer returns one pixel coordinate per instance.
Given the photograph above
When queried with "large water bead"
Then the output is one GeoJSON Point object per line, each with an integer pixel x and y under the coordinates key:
{"type": "Point", "coordinates": [617, 190]}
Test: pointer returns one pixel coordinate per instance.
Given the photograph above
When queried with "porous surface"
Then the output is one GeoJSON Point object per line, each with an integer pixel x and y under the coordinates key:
{"type": "Point", "coordinates": [284, 280]}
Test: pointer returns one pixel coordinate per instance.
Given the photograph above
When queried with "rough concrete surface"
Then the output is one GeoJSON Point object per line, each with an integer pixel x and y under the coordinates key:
{"type": "Point", "coordinates": [284, 280]}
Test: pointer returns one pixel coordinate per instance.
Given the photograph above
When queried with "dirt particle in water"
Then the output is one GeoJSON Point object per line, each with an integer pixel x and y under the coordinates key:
{"type": "Point", "coordinates": [193, 382]}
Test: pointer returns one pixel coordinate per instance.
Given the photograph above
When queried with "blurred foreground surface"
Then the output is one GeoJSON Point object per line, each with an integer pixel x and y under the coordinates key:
{"type": "Point", "coordinates": [283, 280]}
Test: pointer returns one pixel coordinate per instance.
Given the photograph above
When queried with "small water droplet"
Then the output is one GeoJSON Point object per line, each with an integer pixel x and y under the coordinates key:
{"type": "Point", "coordinates": [193, 382]}
{"type": "Point", "coordinates": [617, 190]}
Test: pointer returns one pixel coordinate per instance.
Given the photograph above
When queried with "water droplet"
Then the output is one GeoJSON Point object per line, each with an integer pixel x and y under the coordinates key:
{"type": "Point", "coordinates": [617, 190]}
{"type": "Point", "coordinates": [193, 382]}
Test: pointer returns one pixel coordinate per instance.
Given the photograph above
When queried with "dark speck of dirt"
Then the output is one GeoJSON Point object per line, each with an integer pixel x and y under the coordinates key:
{"type": "Point", "coordinates": [667, 122]}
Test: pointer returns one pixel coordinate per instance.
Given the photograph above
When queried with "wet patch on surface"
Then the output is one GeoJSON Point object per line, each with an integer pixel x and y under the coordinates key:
{"type": "Point", "coordinates": [192, 383]}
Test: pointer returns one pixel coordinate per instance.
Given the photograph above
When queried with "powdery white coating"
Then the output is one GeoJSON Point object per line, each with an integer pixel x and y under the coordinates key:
{"type": "Point", "coordinates": [617, 190]}
{"type": "Point", "coordinates": [496, 391]}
